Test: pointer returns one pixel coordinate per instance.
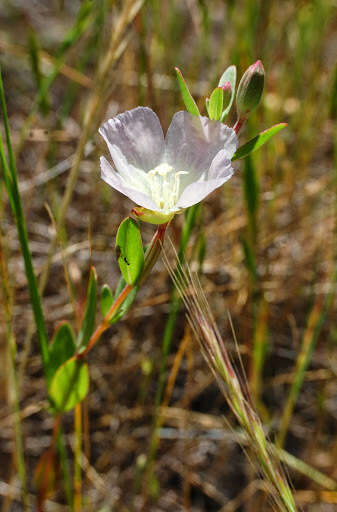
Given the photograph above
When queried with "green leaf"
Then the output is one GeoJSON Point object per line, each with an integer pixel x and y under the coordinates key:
{"type": "Point", "coordinates": [88, 322]}
{"type": "Point", "coordinates": [129, 249]}
{"type": "Point", "coordinates": [258, 141]}
{"type": "Point", "coordinates": [228, 76]}
{"type": "Point", "coordinates": [215, 105]}
{"type": "Point", "coordinates": [106, 299]}
{"type": "Point", "coordinates": [69, 385]}
{"type": "Point", "coordinates": [125, 306]}
{"type": "Point", "coordinates": [34, 54]}
{"type": "Point", "coordinates": [61, 348]}
{"type": "Point", "coordinates": [190, 104]}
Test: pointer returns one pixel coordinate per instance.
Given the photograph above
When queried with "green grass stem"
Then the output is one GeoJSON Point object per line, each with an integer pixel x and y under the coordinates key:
{"type": "Point", "coordinates": [11, 182]}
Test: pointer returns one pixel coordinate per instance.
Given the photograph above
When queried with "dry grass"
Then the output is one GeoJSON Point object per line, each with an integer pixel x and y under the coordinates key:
{"type": "Point", "coordinates": [199, 464]}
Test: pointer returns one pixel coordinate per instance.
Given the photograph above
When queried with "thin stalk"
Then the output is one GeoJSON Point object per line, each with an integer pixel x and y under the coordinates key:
{"type": "Point", "coordinates": [11, 181]}
{"type": "Point", "coordinates": [13, 379]}
{"type": "Point", "coordinates": [78, 458]}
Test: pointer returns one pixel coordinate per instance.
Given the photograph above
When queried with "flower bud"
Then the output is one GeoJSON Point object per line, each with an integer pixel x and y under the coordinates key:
{"type": "Point", "coordinates": [250, 89]}
{"type": "Point", "coordinates": [227, 92]}
{"type": "Point", "coordinates": [226, 86]}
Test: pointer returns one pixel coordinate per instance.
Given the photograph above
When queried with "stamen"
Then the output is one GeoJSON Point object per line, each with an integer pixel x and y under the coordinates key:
{"type": "Point", "coordinates": [165, 185]}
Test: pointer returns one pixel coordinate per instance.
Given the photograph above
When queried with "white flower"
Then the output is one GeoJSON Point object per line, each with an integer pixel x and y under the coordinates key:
{"type": "Point", "coordinates": [166, 175]}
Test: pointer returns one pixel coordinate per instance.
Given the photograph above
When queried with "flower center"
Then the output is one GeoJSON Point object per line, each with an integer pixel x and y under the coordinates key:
{"type": "Point", "coordinates": [165, 185]}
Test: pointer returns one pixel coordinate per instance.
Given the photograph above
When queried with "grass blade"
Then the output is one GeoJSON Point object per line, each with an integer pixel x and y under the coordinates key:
{"type": "Point", "coordinates": [11, 182]}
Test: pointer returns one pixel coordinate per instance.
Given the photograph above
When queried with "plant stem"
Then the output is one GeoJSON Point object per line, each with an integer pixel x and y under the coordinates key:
{"type": "Point", "coordinates": [239, 124]}
{"type": "Point", "coordinates": [151, 257]}
{"type": "Point", "coordinates": [78, 458]}
{"type": "Point", "coordinates": [13, 391]}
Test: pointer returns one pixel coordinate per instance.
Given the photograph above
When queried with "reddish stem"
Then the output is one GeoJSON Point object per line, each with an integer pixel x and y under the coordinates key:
{"type": "Point", "coordinates": [238, 125]}
{"type": "Point", "coordinates": [105, 322]}
{"type": "Point", "coordinates": [151, 257]}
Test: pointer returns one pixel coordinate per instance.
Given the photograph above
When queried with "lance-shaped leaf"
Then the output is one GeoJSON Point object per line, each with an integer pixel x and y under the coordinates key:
{"type": "Point", "coordinates": [215, 104]}
{"type": "Point", "coordinates": [190, 104]}
{"type": "Point", "coordinates": [258, 141]}
{"type": "Point", "coordinates": [61, 348]}
{"type": "Point", "coordinates": [69, 385]}
{"type": "Point", "coordinates": [228, 76]}
{"type": "Point", "coordinates": [129, 249]}
{"type": "Point", "coordinates": [106, 299]}
{"type": "Point", "coordinates": [88, 322]}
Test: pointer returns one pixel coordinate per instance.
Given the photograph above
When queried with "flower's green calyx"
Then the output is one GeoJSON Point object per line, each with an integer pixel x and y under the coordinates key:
{"type": "Point", "coordinates": [250, 89]}
{"type": "Point", "coordinates": [151, 216]}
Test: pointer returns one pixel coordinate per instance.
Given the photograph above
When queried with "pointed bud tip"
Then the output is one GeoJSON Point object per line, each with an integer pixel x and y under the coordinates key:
{"type": "Point", "coordinates": [226, 86]}
{"type": "Point", "coordinates": [257, 66]}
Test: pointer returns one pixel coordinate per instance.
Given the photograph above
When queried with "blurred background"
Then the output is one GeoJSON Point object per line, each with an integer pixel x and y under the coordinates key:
{"type": "Point", "coordinates": [265, 245]}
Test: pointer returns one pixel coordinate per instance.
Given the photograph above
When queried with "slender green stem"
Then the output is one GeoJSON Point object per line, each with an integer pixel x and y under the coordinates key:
{"type": "Point", "coordinates": [78, 459]}
{"type": "Point", "coordinates": [13, 378]}
{"type": "Point", "coordinates": [11, 181]}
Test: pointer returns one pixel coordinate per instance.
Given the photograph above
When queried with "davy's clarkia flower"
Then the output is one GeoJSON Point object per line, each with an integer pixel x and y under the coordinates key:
{"type": "Point", "coordinates": [166, 175]}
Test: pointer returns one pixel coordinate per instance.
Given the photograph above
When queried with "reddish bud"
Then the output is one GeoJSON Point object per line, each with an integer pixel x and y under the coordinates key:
{"type": "Point", "coordinates": [250, 89]}
{"type": "Point", "coordinates": [226, 87]}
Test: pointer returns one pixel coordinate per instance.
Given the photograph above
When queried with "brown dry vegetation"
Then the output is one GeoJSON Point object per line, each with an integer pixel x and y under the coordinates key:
{"type": "Point", "coordinates": [200, 465]}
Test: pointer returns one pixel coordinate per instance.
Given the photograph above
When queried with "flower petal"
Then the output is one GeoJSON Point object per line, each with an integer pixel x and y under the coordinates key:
{"type": "Point", "coordinates": [135, 138]}
{"type": "Point", "coordinates": [112, 178]}
{"type": "Point", "coordinates": [192, 143]}
{"type": "Point", "coordinates": [197, 191]}
{"type": "Point", "coordinates": [221, 167]}
{"type": "Point", "coordinates": [219, 172]}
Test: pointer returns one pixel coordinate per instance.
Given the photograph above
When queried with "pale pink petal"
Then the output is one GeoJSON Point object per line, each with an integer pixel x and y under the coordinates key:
{"type": "Point", "coordinates": [219, 172]}
{"type": "Point", "coordinates": [192, 143]}
{"type": "Point", "coordinates": [112, 178]}
{"type": "Point", "coordinates": [135, 138]}
{"type": "Point", "coordinates": [197, 191]}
